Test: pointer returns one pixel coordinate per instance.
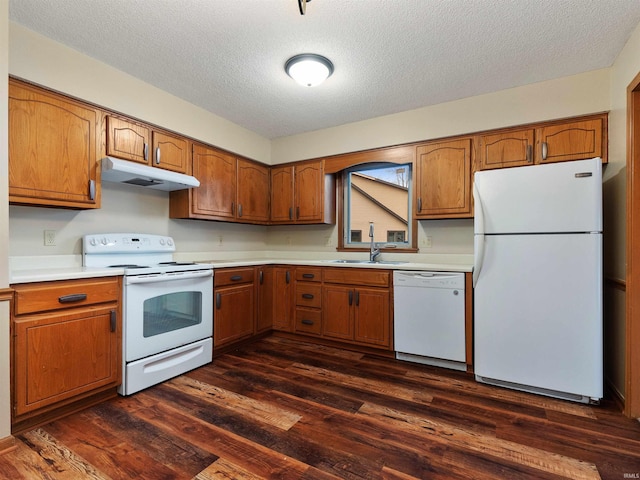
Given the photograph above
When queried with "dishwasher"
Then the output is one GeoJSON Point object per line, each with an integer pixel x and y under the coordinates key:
{"type": "Point", "coordinates": [429, 318]}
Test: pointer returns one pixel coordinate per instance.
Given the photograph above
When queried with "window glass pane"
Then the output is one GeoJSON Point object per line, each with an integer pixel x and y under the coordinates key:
{"type": "Point", "coordinates": [170, 312]}
{"type": "Point", "coordinates": [380, 194]}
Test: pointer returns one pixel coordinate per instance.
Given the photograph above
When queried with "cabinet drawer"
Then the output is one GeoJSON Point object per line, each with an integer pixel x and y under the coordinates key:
{"type": "Point", "coordinates": [357, 276]}
{"type": "Point", "coordinates": [308, 320]}
{"type": "Point", "coordinates": [309, 274]}
{"type": "Point", "coordinates": [308, 295]}
{"type": "Point", "coordinates": [43, 296]}
{"type": "Point", "coordinates": [233, 276]}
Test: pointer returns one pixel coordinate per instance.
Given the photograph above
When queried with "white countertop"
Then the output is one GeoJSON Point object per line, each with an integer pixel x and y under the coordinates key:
{"type": "Point", "coordinates": [68, 267]}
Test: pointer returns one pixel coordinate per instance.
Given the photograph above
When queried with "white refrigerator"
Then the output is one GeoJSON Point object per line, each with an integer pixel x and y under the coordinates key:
{"type": "Point", "coordinates": [538, 279]}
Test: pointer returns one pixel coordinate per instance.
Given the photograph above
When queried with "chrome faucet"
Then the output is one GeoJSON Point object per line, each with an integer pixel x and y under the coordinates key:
{"type": "Point", "coordinates": [374, 251]}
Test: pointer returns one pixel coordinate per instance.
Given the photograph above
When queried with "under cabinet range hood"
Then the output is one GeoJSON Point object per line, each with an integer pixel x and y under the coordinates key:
{"type": "Point", "coordinates": [123, 171]}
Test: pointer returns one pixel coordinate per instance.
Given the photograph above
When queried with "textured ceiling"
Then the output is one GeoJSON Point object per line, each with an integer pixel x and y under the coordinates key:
{"type": "Point", "coordinates": [227, 56]}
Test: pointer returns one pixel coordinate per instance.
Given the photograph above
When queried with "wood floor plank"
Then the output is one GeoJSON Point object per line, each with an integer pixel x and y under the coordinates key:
{"type": "Point", "coordinates": [245, 406]}
{"type": "Point", "coordinates": [494, 447]}
{"type": "Point", "coordinates": [278, 408]}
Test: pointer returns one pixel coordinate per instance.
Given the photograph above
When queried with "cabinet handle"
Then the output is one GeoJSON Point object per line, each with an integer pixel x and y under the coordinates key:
{"type": "Point", "coordinates": [145, 151]}
{"type": "Point", "coordinates": [529, 153]}
{"type": "Point", "coordinates": [92, 189]}
{"type": "Point", "coordinates": [239, 209]}
{"type": "Point", "coordinates": [236, 278]}
{"type": "Point", "coordinates": [261, 277]}
{"type": "Point", "coordinates": [545, 150]}
{"type": "Point", "coordinates": [350, 297]}
{"type": "Point", "coordinates": [308, 275]}
{"type": "Point", "coordinates": [305, 321]}
{"type": "Point", "coordinates": [112, 320]}
{"type": "Point", "coordinates": [158, 156]}
{"type": "Point", "coordinates": [357, 298]}
{"type": "Point", "coordinates": [297, 213]}
{"type": "Point", "coordinates": [218, 301]}
{"type": "Point", "coordinates": [74, 297]}
{"type": "Point", "coordinates": [419, 204]}
{"type": "Point", "coordinates": [290, 213]}
{"type": "Point", "coordinates": [233, 208]}
{"type": "Point", "coordinates": [308, 296]}
{"type": "Point", "coordinates": [287, 276]}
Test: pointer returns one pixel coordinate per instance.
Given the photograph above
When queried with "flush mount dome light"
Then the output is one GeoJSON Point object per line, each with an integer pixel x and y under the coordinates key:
{"type": "Point", "coordinates": [309, 69]}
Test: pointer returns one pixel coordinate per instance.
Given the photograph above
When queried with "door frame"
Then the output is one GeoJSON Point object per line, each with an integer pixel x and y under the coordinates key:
{"type": "Point", "coordinates": [632, 316]}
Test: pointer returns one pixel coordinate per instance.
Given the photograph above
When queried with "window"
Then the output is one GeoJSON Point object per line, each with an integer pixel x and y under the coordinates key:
{"type": "Point", "coordinates": [378, 193]}
{"type": "Point", "coordinates": [395, 236]}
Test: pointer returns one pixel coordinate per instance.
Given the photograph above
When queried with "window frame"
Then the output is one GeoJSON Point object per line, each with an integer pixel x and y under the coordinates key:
{"type": "Point", "coordinates": [342, 203]}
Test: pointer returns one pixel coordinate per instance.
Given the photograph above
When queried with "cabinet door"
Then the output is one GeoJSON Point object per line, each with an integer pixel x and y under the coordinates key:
{"type": "Point", "coordinates": [215, 197]}
{"type": "Point", "coordinates": [127, 140]}
{"type": "Point", "coordinates": [52, 149]}
{"type": "Point", "coordinates": [337, 305]}
{"type": "Point", "coordinates": [283, 299]}
{"type": "Point", "coordinates": [443, 179]}
{"type": "Point", "coordinates": [309, 192]}
{"type": "Point", "coordinates": [61, 355]}
{"type": "Point", "coordinates": [233, 318]}
{"type": "Point", "coordinates": [570, 141]}
{"type": "Point", "coordinates": [510, 149]}
{"type": "Point", "coordinates": [264, 314]}
{"type": "Point", "coordinates": [282, 198]}
{"type": "Point", "coordinates": [170, 152]}
{"type": "Point", "coordinates": [372, 317]}
{"type": "Point", "coordinates": [253, 191]}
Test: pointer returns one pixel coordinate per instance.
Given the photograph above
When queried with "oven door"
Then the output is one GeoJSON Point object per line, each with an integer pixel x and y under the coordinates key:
{"type": "Point", "coordinates": [165, 311]}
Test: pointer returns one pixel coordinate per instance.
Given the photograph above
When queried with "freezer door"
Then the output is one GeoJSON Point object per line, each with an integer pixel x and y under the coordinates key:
{"type": "Point", "coordinates": [538, 312]}
{"type": "Point", "coordinates": [558, 197]}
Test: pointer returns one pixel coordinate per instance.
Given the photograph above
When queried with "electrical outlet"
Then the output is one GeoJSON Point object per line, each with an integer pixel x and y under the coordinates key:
{"type": "Point", "coordinates": [220, 240]}
{"type": "Point", "coordinates": [49, 238]}
{"type": "Point", "coordinates": [427, 241]}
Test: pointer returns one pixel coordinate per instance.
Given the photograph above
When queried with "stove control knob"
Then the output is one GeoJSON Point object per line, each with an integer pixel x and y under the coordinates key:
{"type": "Point", "coordinates": [93, 242]}
{"type": "Point", "coordinates": [162, 242]}
{"type": "Point", "coordinates": [169, 242]}
{"type": "Point", "coordinates": [104, 241]}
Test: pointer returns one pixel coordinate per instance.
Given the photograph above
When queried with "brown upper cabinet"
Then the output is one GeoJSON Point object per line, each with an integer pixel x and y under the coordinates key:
{"type": "Point", "coordinates": [53, 149]}
{"type": "Point", "coordinates": [558, 141]}
{"type": "Point", "coordinates": [443, 179]}
{"type": "Point", "coordinates": [141, 143]}
{"type": "Point", "coordinates": [302, 193]}
{"type": "Point", "coordinates": [231, 189]}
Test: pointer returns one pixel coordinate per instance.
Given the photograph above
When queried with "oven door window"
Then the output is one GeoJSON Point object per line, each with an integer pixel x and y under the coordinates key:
{"type": "Point", "coordinates": [171, 311]}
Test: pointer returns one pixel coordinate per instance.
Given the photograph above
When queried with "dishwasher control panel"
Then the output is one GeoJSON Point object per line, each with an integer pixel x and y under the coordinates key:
{"type": "Point", "coordinates": [429, 279]}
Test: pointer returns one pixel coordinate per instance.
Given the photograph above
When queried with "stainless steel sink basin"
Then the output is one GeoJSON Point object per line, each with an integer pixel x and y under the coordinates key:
{"type": "Point", "coordinates": [368, 262]}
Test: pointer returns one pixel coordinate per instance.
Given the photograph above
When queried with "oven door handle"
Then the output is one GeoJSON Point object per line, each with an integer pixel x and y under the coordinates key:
{"type": "Point", "coordinates": [163, 277]}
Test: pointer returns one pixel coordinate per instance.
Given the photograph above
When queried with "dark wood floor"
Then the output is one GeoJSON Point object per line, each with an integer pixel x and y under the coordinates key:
{"type": "Point", "coordinates": [279, 409]}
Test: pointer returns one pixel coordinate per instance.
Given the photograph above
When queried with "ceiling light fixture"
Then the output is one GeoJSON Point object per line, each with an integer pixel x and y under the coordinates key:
{"type": "Point", "coordinates": [309, 69]}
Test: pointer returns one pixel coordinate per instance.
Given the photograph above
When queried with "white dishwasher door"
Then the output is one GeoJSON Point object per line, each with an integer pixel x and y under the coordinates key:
{"type": "Point", "coordinates": [429, 317]}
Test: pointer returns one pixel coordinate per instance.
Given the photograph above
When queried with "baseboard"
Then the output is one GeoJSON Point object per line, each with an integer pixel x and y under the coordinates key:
{"type": "Point", "coordinates": [612, 392]}
{"type": "Point", "coordinates": [7, 444]}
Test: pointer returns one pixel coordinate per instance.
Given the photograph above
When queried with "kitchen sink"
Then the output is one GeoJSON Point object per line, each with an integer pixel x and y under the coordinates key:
{"type": "Point", "coordinates": [368, 262]}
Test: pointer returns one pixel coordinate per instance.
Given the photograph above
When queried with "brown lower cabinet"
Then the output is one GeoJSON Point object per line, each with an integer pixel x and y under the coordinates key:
{"type": "Point", "coordinates": [356, 306]}
{"type": "Point", "coordinates": [283, 278]}
{"type": "Point", "coordinates": [234, 305]}
{"type": "Point", "coordinates": [66, 346]}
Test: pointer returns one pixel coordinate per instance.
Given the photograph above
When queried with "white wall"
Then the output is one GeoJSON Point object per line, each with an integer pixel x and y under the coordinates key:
{"type": "Point", "coordinates": [43, 61]}
{"type": "Point", "coordinates": [563, 97]}
{"type": "Point", "coordinates": [623, 71]}
{"type": "Point", "coordinates": [5, 408]}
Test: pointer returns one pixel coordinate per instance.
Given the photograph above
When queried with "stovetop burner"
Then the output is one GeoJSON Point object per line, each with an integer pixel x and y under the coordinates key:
{"type": "Point", "coordinates": [127, 265]}
{"type": "Point", "coordinates": [177, 263]}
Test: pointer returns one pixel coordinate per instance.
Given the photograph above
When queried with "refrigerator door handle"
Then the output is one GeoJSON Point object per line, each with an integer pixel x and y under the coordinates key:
{"type": "Point", "coordinates": [478, 238]}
